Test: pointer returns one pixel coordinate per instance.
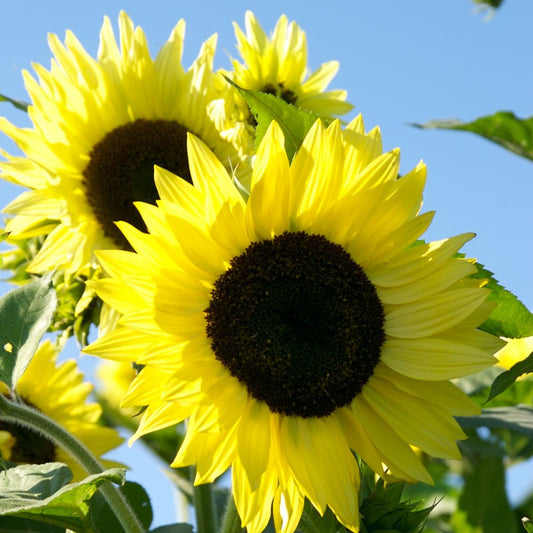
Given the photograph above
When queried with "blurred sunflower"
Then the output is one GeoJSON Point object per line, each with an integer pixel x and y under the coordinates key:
{"type": "Point", "coordinates": [514, 351]}
{"type": "Point", "coordinates": [99, 126]}
{"type": "Point", "coordinates": [278, 65]}
{"type": "Point", "coordinates": [299, 326]}
{"type": "Point", "coordinates": [59, 392]}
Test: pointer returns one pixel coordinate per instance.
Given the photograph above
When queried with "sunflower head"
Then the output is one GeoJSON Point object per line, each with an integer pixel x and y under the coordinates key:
{"type": "Point", "coordinates": [98, 128]}
{"type": "Point", "coordinates": [278, 65]}
{"type": "Point", "coordinates": [59, 392]}
{"type": "Point", "coordinates": [297, 327]}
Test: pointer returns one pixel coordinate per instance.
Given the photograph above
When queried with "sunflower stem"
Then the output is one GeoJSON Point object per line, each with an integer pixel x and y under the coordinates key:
{"type": "Point", "coordinates": [231, 522]}
{"type": "Point", "coordinates": [17, 413]}
{"type": "Point", "coordinates": [205, 509]}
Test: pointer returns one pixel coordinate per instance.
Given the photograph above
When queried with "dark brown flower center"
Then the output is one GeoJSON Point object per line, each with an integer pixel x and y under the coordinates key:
{"type": "Point", "coordinates": [30, 447]}
{"type": "Point", "coordinates": [121, 170]}
{"type": "Point", "coordinates": [297, 321]}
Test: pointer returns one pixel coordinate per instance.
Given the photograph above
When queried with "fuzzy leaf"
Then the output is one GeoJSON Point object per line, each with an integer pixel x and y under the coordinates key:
{"type": "Point", "coordinates": [510, 318]}
{"type": "Point", "coordinates": [106, 521]}
{"type": "Point", "coordinates": [294, 122]}
{"type": "Point", "coordinates": [506, 379]}
{"type": "Point", "coordinates": [503, 128]}
{"type": "Point", "coordinates": [41, 492]}
{"type": "Point", "coordinates": [518, 418]}
{"type": "Point", "coordinates": [25, 314]}
{"type": "Point", "coordinates": [19, 104]}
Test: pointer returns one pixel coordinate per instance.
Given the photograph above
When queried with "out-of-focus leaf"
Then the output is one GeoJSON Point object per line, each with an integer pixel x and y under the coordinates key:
{"type": "Point", "coordinates": [517, 418]}
{"type": "Point", "coordinates": [503, 128]}
{"type": "Point", "coordinates": [106, 521]}
{"type": "Point", "coordinates": [10, 524]}
{"type": "Point", "coordinates": [510, 318]}
{"type": "Point", "coordinates": [294, 122]}
{"type": "Point", "coordinates": [41, 492]}
{"type": "Point", "coordinates": [19, 104]}
{"type": "Point", "coordinates": [505, 380]}
{"type": "Point", "coordinates": [312, 522]}
{"type": "Point", "coordinates": [484, 498]}
{"type": "Point", "coordinates": [25, 314]}
{"type": "Point", "coordinates": [490, 3]}
{"type": "Point", "coordinates": [174, 528]}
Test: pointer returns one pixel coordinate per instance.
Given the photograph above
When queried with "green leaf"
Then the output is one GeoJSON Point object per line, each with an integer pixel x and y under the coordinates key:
{"type": "Point", "coordinates": [10, 524]}
{"type": "Point", "coordinates": [294, 122]}
{"type": "Point", "coordinates": [506, 379]}
{"type": "Point", "coordinates": [484, 499]}
{"type": "Point", "coordinates": [490, 3]}
{"type": "Point", "coordinates": [19, 104]}
{"type": "Point", "coordinates": [503, 128]}
{"type": "Point", "coordinates": [40, 492]}
{"type": "Point", "coordinates": [174, 528]}
{"type": "Point", "coordinates": [312, 522]}
{"type": "Point", "coordinates": [25, 314]}
{"type": "Point", "coordinates": [517, 418]}
{"type": "Point", "coordinates": [105, 519]}
{"type": "Point", "coordinates": [510, 318]}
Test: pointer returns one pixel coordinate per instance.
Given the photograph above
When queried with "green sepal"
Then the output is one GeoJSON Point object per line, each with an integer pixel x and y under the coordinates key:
{"type": "Point", "coordinates": [25, 315]}
{"type": "Point", "coordinates": [294, 121]}
{"type": "Point", "coordinates": [510, 318]}
{"type": "Point", "coordinates": [507, 378]}
{"type": "Point", "coordinates": [503, 128]}
{"type": "Point", "coordinates": [43, 493]}
{"type": "Point", "coordinates": [19, 104]}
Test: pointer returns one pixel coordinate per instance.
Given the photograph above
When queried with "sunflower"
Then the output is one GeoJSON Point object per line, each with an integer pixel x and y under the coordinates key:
{"type": "Point", "coordinates": [278, 65]}
{"type": "Point", "coordinates": [99, 125]}
{"type": "Point", "coordinates": [59, 392]}
{"type": "Point", "coordinates": [302, 325]}
{"type": "Point", "coordinates": [514, 351]}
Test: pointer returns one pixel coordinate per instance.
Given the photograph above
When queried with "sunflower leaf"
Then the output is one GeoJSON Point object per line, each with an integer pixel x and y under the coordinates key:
{"type": "Point", "coordinates": [506, 379]}
{"type": "Point", "coordinates": [518, 418]}
{"type": "Point", "coordinates": [25, 315]}
{"type": "Point", "coordinates": [19, 104]}
{"type": "Point", "coordinates": [510, 318]}
{"type": "Point", "coordinates": [105, 519]}
{"type": "Point", "coordinates": [294, 122]}
{"type": "Point", "coordinates": [484, 499]}
{"type": "Point", "coordinates": [503, 128]}
{"type": "Point", "coordinates": [42, 493]}
{"type": "Point", "coordinates": [174, 528]}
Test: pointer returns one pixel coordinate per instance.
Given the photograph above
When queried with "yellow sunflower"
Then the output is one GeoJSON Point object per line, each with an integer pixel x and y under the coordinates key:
{"type": "Point", "coordinates": [99, 125]}
{"type": "Point", "coordinates": [59, 392]}
{"type": "Point", "coordinates": [278, 65]}
{"type": "Point", "coordinates": [514, 351]}
{"type": "Point", "coordinates": [298, 327]}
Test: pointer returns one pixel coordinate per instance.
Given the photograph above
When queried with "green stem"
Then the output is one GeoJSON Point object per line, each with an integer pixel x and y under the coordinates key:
{"type": "Point", "coordinates": [16, 413]}
{"type": "Point", "coordinates": [204, 507]}
{"type": "Point", "coordinates": [232, 522]}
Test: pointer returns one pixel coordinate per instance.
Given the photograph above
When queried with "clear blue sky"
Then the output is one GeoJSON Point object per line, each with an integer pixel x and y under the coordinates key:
{"type": "Point", "coordinates": [401, 62]}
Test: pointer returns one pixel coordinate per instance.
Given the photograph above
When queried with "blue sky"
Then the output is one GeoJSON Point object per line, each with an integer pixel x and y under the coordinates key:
{"type": "Point", "coordinates": [401, 62]}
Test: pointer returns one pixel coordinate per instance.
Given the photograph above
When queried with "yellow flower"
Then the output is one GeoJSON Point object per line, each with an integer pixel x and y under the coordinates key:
{"type": "Point", "coordinates": [514, 351]}
{"type": "Point", "coordinates": [114, 379]}
{"type": "Point", "coordinates": [99, 125]}
{"type": "Point", "coordinates": [278, 65]}
{"type": "Point", "coordinates": [299, 326]}
{"type": "Point", "coordinates": [59, 392]}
